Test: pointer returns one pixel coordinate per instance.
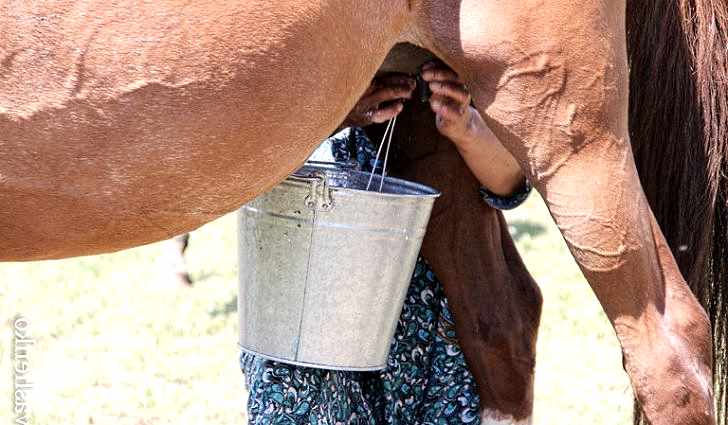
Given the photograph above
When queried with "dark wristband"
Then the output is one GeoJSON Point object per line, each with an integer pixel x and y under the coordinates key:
{"type": "Point", "coordinates": [506, 202]}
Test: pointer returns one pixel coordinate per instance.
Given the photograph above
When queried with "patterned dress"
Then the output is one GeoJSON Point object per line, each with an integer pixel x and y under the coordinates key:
{"type": "Point", "coordinates": [426, 380]}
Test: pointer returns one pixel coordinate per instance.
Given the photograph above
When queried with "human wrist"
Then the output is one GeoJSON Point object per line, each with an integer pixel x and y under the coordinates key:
{"type": "Point", "coordinates": [506, 202]}
{"type": "Point", "coordinates": [506, 185]}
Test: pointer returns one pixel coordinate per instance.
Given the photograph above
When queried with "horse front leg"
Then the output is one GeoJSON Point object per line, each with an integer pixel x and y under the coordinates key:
{"type": "Point", "coordinates": [552, 78]}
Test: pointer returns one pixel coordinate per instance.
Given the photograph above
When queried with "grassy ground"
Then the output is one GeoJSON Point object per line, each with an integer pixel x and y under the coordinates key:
{"type": "Point", "coordinates": [118, 343]}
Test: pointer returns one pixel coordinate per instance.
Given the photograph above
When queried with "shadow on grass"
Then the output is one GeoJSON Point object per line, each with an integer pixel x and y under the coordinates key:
{"type": "Point", "coordinates": [521, 228]}
{"type": "Point", "coordinates": [226, 309]}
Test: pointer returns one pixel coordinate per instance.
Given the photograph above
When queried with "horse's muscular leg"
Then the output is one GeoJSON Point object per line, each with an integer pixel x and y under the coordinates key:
{"type": "Point", "coordinates": [495, 302]}
{"type": "Point", "coordinates": [552, 77]}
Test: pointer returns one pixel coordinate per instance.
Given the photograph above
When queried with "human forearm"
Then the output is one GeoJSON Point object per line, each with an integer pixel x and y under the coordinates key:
{"type": "Point", "coordinates": [491, 163]}
{"type": "Point", "coordinates": [494, 167]}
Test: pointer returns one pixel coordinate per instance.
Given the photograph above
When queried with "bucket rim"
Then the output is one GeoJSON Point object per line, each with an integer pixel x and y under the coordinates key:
{"type": "Point", "coordinates": [343, 368]}
{"type": "Point", "coordinates": [424, 191]}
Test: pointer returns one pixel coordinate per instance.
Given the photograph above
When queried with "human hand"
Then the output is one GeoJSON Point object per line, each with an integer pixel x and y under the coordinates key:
{"type": "Point", "coordinates": [382, 101]}
{"type": "Point", "coordinates": [495, 168]}
{"type": "Point", "coordinates": [456, 119]}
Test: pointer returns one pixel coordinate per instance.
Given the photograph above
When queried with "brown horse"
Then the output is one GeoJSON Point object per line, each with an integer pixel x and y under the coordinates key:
{"type": "Point", "coordinates": [121, 124]}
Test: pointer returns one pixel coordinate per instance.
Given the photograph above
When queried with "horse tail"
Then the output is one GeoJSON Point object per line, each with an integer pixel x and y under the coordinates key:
{"type": "Point", "coordinates": [678, 54]}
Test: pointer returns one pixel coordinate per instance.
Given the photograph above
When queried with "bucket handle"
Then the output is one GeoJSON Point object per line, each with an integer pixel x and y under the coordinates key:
{"type": "Point", "coordinates": [388, 131]}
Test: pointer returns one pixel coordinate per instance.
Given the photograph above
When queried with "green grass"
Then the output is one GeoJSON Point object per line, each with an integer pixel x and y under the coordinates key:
{"type": "Point", "coordinates": [117, 342]}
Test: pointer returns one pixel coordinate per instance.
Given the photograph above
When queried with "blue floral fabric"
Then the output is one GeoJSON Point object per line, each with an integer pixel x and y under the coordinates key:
{"type": "Point", "coordinates": [426, 380]}
{"type": "Point", "coordinates": [352, 145]}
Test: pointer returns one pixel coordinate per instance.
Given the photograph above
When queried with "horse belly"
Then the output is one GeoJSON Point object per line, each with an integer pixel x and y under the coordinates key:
{"type": "Point", "coordinates": [123, 126]}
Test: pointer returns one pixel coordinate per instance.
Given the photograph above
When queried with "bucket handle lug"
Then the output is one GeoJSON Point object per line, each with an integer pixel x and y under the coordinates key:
{"type": "Point", "coordinates": [319, 197]}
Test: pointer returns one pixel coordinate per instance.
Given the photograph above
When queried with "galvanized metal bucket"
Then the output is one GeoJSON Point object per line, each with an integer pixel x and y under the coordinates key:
{"type": "Point", "coordinates": [325, 266]}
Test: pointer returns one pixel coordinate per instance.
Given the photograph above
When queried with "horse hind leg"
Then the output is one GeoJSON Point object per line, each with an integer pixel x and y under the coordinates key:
{"type": "Point", "coordinates": [557, 98]}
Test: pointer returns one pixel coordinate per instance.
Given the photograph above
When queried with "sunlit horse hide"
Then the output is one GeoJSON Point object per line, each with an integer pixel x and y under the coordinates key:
{"type": "Point", "coordinates": [122, 124]}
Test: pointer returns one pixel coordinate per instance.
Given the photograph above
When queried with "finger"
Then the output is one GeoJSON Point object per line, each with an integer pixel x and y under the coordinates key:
{"type": "Point", "coordinates": [395, 79]}
{"type": "Point", "coordinates": [439, 74]}
{"type": "Point", "coordinates": [387, 112]}
{"type": "Point", "coordinates": [447, 107]}
{"type": "Point", "coordinates": [390, 93]}
{"type": "Point", "coordinates": [432, 64]}
{"type": "Point", "coordinates": [453, 90]}
{"type": "Point", "coordinates": [427, 65]}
